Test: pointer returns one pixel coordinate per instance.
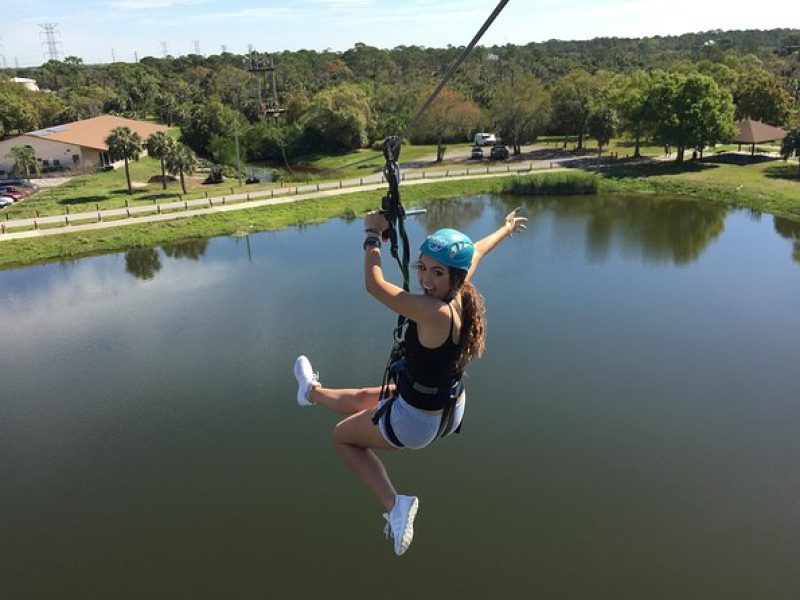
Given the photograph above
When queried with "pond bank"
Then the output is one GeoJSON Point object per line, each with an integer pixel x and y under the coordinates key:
{"type": "Point", "coordinates": [71, 246]}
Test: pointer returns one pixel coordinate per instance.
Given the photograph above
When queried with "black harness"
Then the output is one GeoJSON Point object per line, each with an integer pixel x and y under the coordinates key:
{"type": "Point", "coordinates": [444, 399]}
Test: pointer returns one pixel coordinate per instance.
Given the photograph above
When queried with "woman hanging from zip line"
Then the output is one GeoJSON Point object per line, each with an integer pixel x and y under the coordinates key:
{"type": "Point", "coordinates": [442, 331]}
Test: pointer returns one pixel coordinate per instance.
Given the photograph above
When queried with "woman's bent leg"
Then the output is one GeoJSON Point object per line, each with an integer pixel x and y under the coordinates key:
{"type": "Point", "coordinates": [345, 401]}
{"type": "Point", "coordinates": [354, 438]}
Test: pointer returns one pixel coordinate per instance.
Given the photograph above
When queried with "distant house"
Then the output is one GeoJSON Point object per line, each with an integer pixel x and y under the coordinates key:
{"type": "Point", "coordinates": [76, 144]}
{"type": "Point", "coordinates": [28, 83]}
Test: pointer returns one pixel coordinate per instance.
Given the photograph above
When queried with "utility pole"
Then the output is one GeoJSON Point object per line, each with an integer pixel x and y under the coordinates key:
{"type": "Point", "coordinates": [238, 159]}
{"type": "Point", "coordinates": [135, 56]}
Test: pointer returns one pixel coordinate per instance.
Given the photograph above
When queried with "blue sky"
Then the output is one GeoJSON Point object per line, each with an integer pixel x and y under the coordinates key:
{"type": "Point", "coordinates": [90, 29]}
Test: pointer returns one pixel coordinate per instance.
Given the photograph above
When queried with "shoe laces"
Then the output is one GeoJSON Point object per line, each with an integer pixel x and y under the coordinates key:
{"type": "Point", "coordinates": [312, 383]}
{"type": "Point", "coordinates": [387, 529]}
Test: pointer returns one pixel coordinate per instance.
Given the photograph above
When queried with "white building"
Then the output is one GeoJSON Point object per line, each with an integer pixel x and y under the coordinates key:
{"type": "Point", "coordinates": [76, 144]}
{"type": "Point", "coordinates": [28, 83]}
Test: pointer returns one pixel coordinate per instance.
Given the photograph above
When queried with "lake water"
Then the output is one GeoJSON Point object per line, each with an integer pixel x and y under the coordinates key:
{"type": "Point", "coordinates": [633, 430]}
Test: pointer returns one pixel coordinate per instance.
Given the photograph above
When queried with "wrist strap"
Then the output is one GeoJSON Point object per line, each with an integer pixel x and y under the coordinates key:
{"type": "Point", "coordinates": [372, 242]}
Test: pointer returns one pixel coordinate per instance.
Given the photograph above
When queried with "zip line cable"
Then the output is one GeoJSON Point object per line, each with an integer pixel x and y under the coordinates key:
{"type": "Point", "coordinates": [391, 205]}
{"type": "Point", "coordinates": [498, 9]}
{"type": "Point", "coordinates": [426, 105]}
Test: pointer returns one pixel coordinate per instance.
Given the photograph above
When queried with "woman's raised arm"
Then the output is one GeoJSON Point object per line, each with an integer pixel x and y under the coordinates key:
{"type": "Point", "coordinates": [512, 223]}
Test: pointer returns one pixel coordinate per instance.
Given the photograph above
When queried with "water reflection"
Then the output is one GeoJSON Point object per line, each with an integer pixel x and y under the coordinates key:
{"type": "Point", "coordinates": [142, 263]}
{"type": "Point", "coordinates": [455, 213]}
{"type": "Point", "coordinates": [192, 249]}
{"type": "Point", "coordinates": [661, 230]}
{"type": "Point", "coordinates": [790, 230]}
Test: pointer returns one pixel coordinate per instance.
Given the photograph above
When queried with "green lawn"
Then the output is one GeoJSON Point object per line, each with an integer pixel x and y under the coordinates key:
{"type": "Point", "coordinates": [108, 189]}
{"type": "Point", "coordinates": [771, 186]}
{"type": "Point", "coordinates": [19, 253]}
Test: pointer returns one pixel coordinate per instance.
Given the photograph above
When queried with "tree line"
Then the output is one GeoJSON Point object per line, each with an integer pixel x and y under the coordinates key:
{"type": "Point", "coordinates": [684, 91]}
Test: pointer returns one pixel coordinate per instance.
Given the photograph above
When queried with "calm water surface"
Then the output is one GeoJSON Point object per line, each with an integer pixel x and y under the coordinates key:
{"type": "Point", "coordinates": [632, 432]}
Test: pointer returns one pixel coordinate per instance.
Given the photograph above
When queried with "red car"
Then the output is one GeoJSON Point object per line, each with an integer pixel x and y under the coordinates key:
{"type": "Point", "coordinates": [12, 193]}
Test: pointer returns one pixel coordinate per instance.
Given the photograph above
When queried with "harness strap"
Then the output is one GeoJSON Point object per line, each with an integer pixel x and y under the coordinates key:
{"type": "Point", "coordinates": [385, 411]}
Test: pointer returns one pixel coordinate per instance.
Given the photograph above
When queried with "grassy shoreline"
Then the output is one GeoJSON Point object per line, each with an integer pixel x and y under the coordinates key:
{"type": "Point", "coordinates": [693, 182]}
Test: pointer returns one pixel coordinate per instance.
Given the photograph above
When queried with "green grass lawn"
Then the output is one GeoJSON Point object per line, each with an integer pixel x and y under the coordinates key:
{"type": "Point", "coordinates": [107, 190]}
{"type": "Point", "coordinates": [19, 253]}
{"type": "Point", "coordinates": [772, 186]}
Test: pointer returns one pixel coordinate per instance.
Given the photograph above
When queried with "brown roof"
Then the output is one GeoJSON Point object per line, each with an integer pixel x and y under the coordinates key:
{"type": "Point", "coordinates": [92, 133]}
{"type": "Point", "coordinates": [756, 132]}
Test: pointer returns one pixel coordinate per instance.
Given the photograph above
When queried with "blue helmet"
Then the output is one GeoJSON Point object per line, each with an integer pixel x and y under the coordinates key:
{"type": "Point", "coordinates": [449, 247]}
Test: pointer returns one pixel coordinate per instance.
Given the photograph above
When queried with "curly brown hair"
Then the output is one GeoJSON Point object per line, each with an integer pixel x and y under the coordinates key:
{"type": "Point", "coordinates": [473, 334]}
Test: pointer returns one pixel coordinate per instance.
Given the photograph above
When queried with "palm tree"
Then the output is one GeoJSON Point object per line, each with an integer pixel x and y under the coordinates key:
{"type": "Point", "coordinates": [158, 146]}
{"type": "Point", "coordinates": [124, 144]}
{"type": "Point", "coordinates": [791, 145]}
{"type": "Point", "coordinates": [24, 160]}
{"type": "Point", "coordinates": [180, 159]}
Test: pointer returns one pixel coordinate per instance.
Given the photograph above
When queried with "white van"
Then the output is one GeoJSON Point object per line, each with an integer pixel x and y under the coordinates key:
{"type": "Point", "coordinates": [485, 139]}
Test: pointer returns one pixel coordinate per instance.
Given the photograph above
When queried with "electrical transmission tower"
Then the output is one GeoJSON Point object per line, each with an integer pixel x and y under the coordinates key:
{"type": "Point", "coordinates": [113, 56]}
{"type": "Point", "coordinates": [196, 46]}
{"type": "Point", "coordinates": [224, 48]}
{"type": "Point", "coordinates": [269, 102]}
{"type": "Point", "coordinates": [2, 57]}
{"type": "Point", "coordinates": [164, 48]}
{"type": "Point", "coordinates": [52, 45]}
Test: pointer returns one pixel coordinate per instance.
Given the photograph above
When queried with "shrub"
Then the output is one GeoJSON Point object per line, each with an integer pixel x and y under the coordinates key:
{"type": "Point", "coordinates": [553, 184]}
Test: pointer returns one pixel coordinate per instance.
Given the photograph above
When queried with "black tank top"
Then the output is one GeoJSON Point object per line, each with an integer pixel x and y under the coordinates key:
{"type": "Point", "coordinates": [431, 368]}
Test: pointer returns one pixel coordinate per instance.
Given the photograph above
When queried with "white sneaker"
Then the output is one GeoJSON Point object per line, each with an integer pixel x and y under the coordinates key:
{"type": "Point", "coordinates": [307, 380]}
{"type": "Point", "coordinates": [400, 522]}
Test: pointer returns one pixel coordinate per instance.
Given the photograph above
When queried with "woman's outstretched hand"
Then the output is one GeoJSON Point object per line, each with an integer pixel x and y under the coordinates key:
{"type": "Point", "coordinates": [515, 222]}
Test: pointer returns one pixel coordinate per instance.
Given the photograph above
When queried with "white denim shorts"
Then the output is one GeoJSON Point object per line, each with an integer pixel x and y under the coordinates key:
{"type": "Point", "coordinates": [417, 428]}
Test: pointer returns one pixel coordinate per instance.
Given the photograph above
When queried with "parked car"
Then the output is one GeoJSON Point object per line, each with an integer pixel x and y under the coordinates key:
{"type": "Point", "coordinates": [25, 191]}
{"type": "Point", "coordinates": [19, 183]}
{"type": "Point", "coordinates": [12, 193]}
{"type": "Point", "coordinates": [499, 152]}
{"type": "Point", "coordinates": [6, 201]}
{"type": "Point", "coordinates": [477, 153]}
{"type": "Point", "coordinates": [485, 139]}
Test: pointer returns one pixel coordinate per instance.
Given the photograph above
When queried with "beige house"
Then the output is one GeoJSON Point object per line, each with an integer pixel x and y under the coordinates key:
{"type": "Point", "coordinates": [72, 145]}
